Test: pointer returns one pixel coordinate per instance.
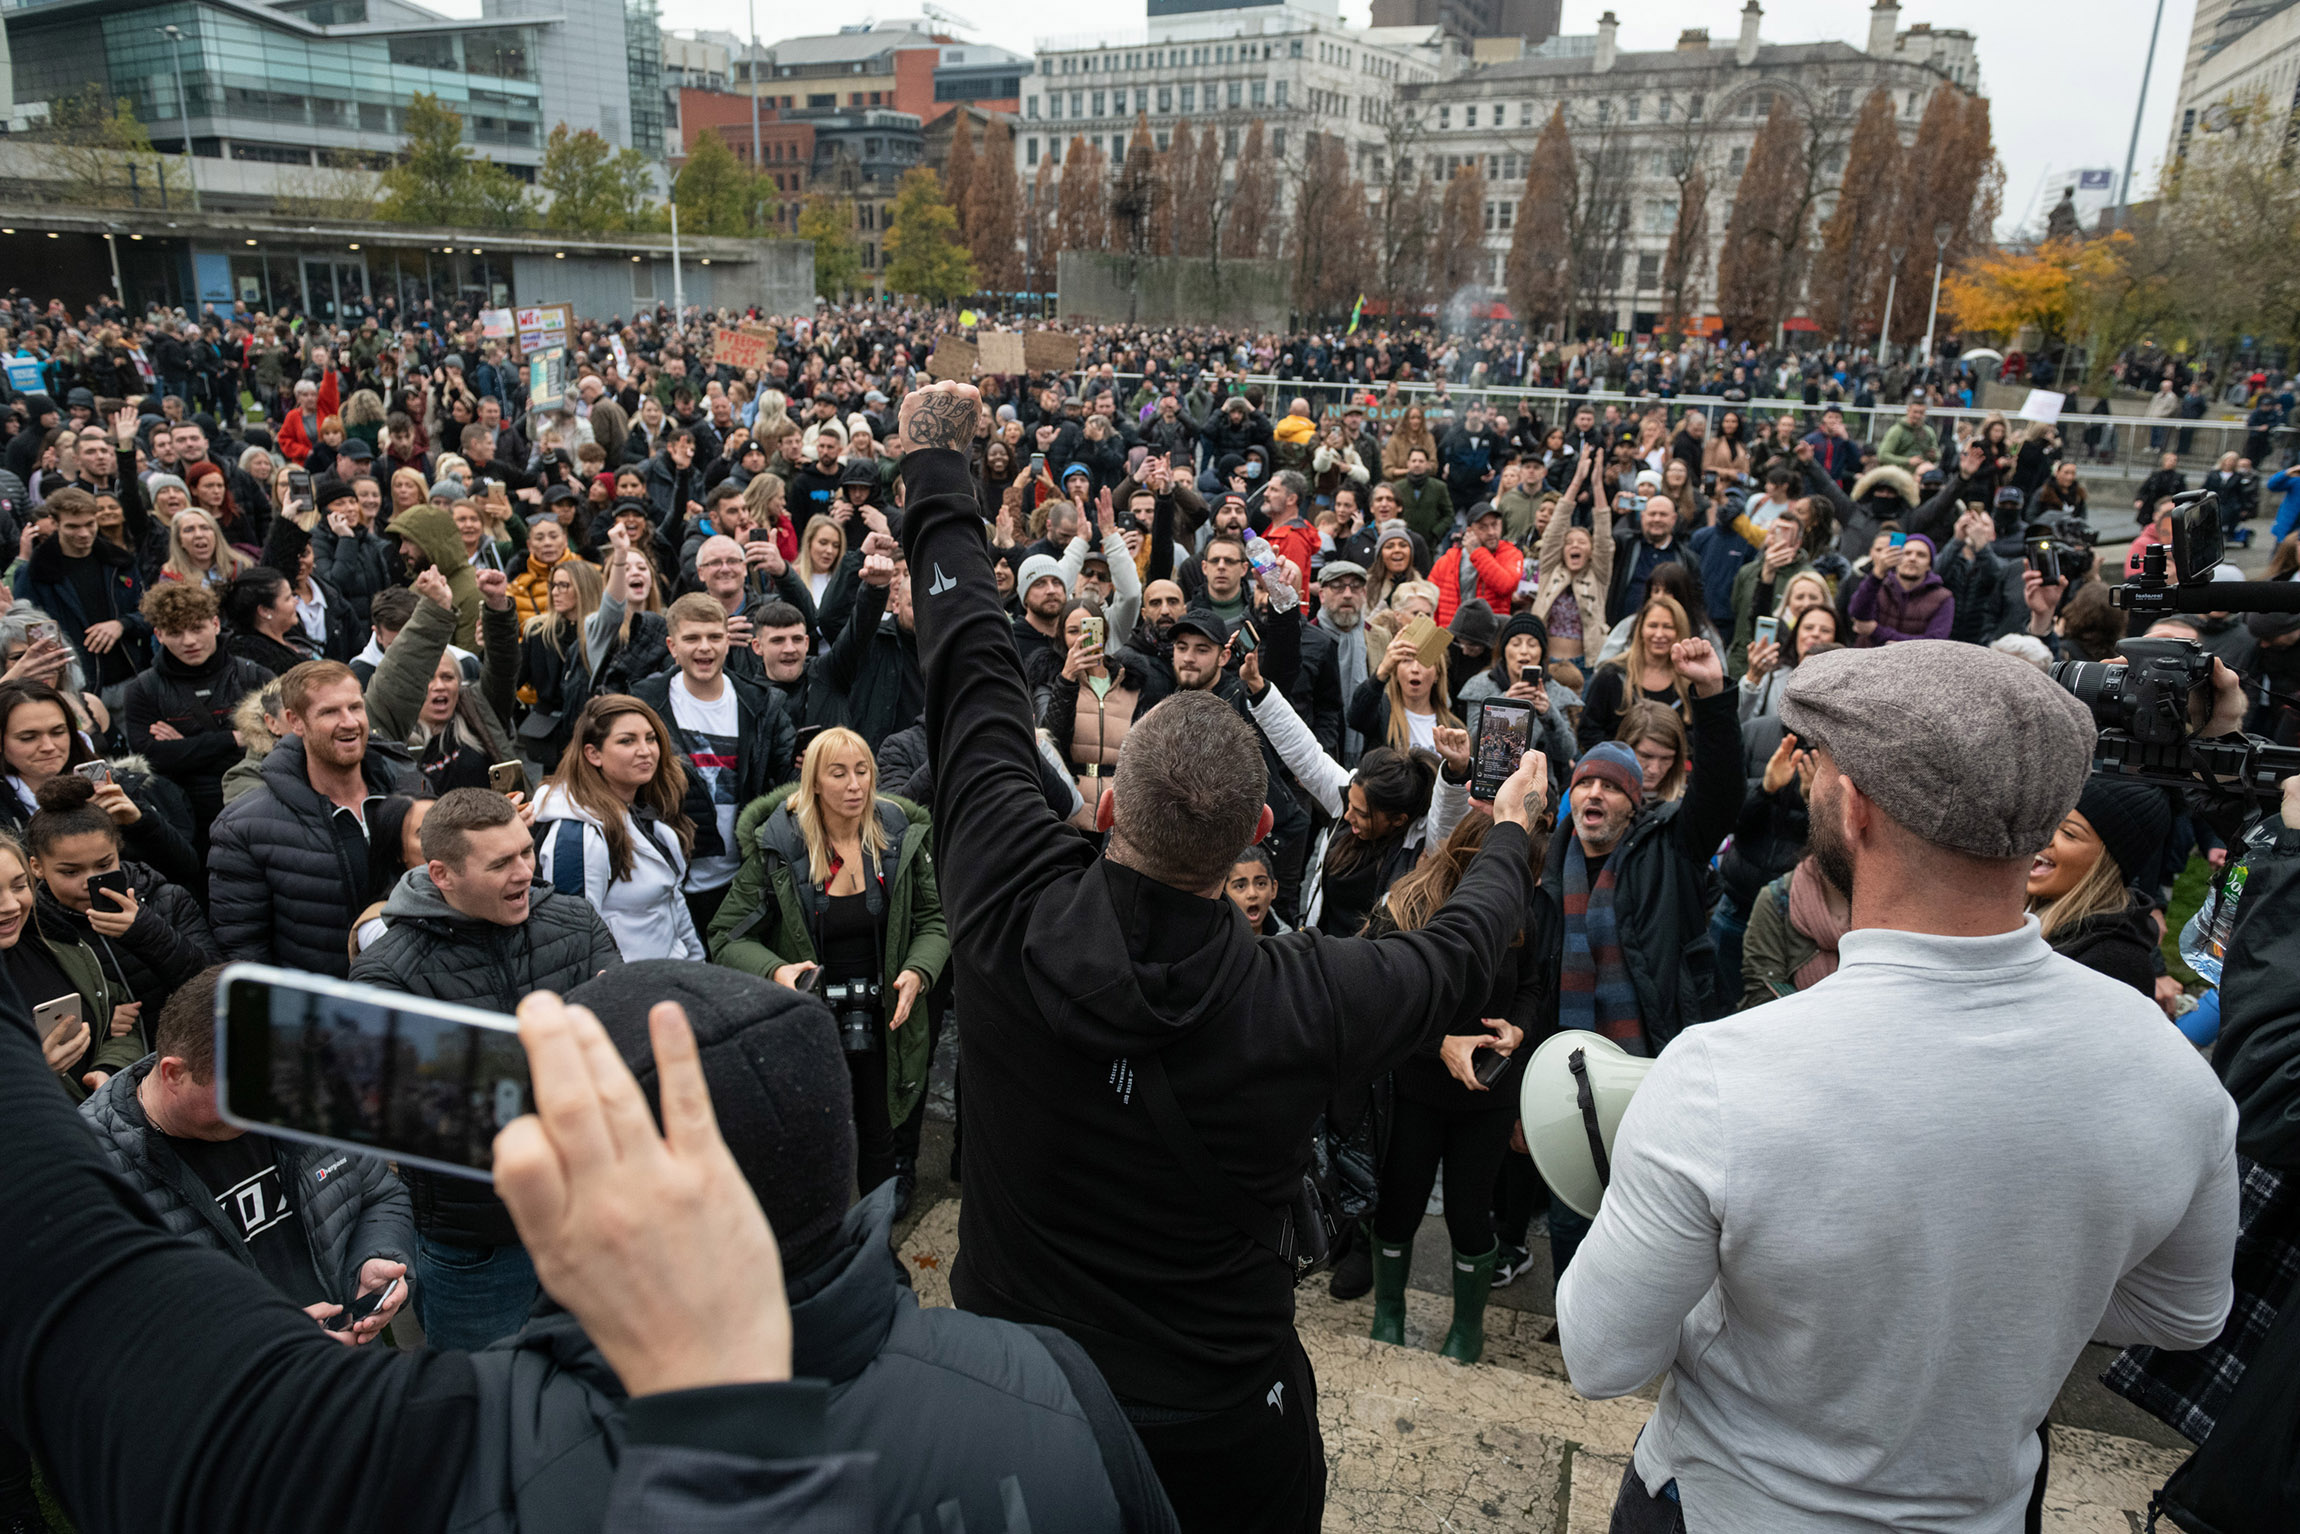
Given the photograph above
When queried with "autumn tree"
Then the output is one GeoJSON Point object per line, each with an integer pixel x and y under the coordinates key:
{"type": "Point", "coordinates": [1042, 240]}
{"type": "Point", "coordinates": [958, 173]}
{"type": "Point", "coordinates": [1848, 280]}
{"type": "Point", "coordinates": [1539, 270]}
{"type": "Point", "coordinates": [1333, 224]}
{"type": "Point", "coordinates": [717, 193]}
{"type": "Point", "coordinates": [1949, 181]}
{"type": "Point", "coordinates": [1405, 223]}
{"type": "Point", "coordinates": [1136, 193]}
{"type": "Point", "coordinates": [1082, 216]}
{"type": "Point", "coordinates": [94, 142]}
{"type": "Point", "coordinates": [1765, 237]}
{"type": "Point", "coordinates": [830, 222]}
{"type": "Point", "coordinates": [594, 187]}
{"type": "Point", "coordinates": [437, 180]}
{"type": "Point", "coordinates": [924, 254]}
{"type": "Point", "coordinates": [1458, 259]}
{"type": "Point", "coordinates": [1253, 199]}
{"type": "Point", "coordinates": [991, 218]}
{"type": "Point", "coordinates": [1193, 173]}
{"type": "Point", "coordinates": [1597, 227]}
{"type": "Point", "coordinates": [2227, 219]}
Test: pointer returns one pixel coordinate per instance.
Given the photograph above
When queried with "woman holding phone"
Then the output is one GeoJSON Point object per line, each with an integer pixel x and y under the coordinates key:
{"type": "Point", "coordinates": [836, 877]}
{"type": "Point", "coordinates": [611, 825]}
{"type": "Point", "coordinates": [81, 1056]}
{"type": "Point", "coordinates": [122, 935]}
{"type": "Point", "coordinates": [39, 743]}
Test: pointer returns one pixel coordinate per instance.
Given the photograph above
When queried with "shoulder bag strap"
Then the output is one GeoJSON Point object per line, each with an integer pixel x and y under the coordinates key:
{"type": "Point", "coordinates": [1271, 1229]}
{"type": "Point", "coordinates": [1587, 1099]}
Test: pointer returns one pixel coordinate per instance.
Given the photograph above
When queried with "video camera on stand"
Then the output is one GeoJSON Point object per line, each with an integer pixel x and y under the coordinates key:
{"type": "Point", "coordinates": [2151, 703]}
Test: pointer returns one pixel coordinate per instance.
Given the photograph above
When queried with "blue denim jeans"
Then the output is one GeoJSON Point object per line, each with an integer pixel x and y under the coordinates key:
{"type": "Point", "coordinates": [467, 1296]}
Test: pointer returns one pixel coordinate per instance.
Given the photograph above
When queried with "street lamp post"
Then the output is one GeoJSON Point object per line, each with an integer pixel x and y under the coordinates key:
{"type": "Point", "coordinates": [1892, 284]}
{"type": "Point", "coordinates": [1941, 233]}
{"type": "Point", "coordinates": [175, 35]}
{"type": "Point", "coordinates": [751, 69]}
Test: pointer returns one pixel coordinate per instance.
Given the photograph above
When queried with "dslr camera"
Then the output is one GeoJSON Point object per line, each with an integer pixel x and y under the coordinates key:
{"type": "Point", "coordinates": [855, 1004]}
{"type": "Point", "coordinates": [2154, 700]}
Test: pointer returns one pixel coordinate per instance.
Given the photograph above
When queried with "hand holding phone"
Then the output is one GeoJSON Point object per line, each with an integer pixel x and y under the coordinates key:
{"type": "Point", "coordinates": [1504, 735]}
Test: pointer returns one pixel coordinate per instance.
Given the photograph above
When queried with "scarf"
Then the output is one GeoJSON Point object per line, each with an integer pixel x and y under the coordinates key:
{"type": "Point", "coordinates": [1350, 663]}
{"type": "Point", "coordinates": [1594, 990]}
{"type": "Point", "coordinates": [1821, 916]}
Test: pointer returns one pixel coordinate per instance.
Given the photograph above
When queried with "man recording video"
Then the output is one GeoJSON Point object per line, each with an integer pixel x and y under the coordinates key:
{"type": "Point", "coordinates": [1142, 1073]}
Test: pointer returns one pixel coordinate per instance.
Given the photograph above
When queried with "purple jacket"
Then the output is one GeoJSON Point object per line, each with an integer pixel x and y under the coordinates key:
{"type": "Point", "coordinates": [1899, 613]}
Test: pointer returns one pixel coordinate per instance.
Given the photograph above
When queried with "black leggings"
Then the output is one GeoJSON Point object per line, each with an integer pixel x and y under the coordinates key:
{"type": "Point", "coordinates": [1470, 1144]}
{"type": "Point", "coordinates": [875, 1144]}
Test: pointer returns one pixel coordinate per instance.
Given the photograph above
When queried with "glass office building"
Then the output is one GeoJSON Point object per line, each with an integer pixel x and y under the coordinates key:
{"type": "Point", "coordinates": [325, 82]}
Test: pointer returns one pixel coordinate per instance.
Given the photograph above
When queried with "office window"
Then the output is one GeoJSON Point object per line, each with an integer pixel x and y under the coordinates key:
{"type": "Point", "coordinates": [1054, 151]}
{"type": "Point", "coordinates": [1445, 117]}
{"type": "Point", "coordinates": [1525, 114]}
{"type": "Point", "coordinates": [1030, 107]}
{"type": "Point", "coordinates": [1508, 216]}
{"type": "Point", "coordinates": [1663, 114]}
{"type": "Point", "coordinates": [1189, 98]}
{"type": "Point", "coordinates": [1604, 112]}
{"type": "Point", "coordinates": [1279, 93]}
{"type": "Point", "coordinates": [1237, 90]}
{"type": "Point", "coordinates": [1278, 143]}
{"type": "Point", "coordinates": [1117, 150]}
{"type": "Point", "coordinates": [1469, 115]}
{"type": "Point", "coordinates": [1030, 151]}
{"type": "Point", "coordinates": [1160, 139]}
{"type": "Point", "coordinates": [1635, 104]}
{"type": "Point", "coordinates": [1098, 104]}
{"type": "Point", "coordinates": [1844, 100]}
{"type": "Point", "coordinates": [1738, 158]}
{"type": "Point", "coordinates": [1492, 217]}
{"type": "Point", "coordinates": [1230, 143]}
{"type": "Point", "coordinates": [1258, 93]}
{"type": "Point", "coordinates": [1165, 98]}
{"type": "Point", "coordinates": [1693, 108]}
{"type": "Point", "coordinates": [1509, 167]}
{"type": "Point", "coordinates": [1078, 103]}
{"type": "Point", "coordinates": [1648, 269]}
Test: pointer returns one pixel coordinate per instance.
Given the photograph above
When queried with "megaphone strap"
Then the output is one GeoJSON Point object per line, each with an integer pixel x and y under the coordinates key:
{"type": "Point", "coordinates": [1587, 1097]}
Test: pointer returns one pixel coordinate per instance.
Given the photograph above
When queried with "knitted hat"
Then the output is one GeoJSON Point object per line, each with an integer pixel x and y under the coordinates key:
{"type": "Point", "coordinates": [1394, 528]}
{"type": "Point", "coordinates": [1037, 568]}
{"type": "Point", "coordinates": [1524, 623]}
{"type": "Point", "coordinates": [1927, 542]}
{"type": "Point", "coordinates": [327, 490]}
{"type": "Point", "coordinates": [1473, 623]}
{"type": "Point", "coordinates": [1616, 764]}
{"type": "Point", "coordinates": [2132, 819]}
{"type": "Point", "coordinates": [450, 490]}
{"type": "Point", "coordinates": [778, 1081]}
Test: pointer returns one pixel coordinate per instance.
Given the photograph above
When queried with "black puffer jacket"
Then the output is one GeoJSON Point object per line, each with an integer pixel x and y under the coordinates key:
{"type": "Point", "coordinates": [1768, 840]}
{"type": "Point", "coordinates": [168, 943]}
{"type": "Point", "coordinates": [2118, 944]}
{"type": "Point", "coordinates": [197, 703]}
{"type": "Point", "coordinates": [161, 833]}
{"type": "Point", "coordinates": [287, 873]}
{"type": "Point", "coordinates": [973, 1420]}
{"type": "Point", "coordinates": [350, 1206]}
{"type": "Point", "coordinates": [431, 949]}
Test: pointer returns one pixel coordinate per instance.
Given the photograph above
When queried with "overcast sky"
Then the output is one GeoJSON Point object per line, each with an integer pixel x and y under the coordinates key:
{"type": "Point", "coordinates": [2062, 76]}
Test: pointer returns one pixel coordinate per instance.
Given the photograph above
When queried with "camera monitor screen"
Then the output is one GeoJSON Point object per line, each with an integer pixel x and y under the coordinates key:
{"type": "Point", "coordinates": [350, 1065]}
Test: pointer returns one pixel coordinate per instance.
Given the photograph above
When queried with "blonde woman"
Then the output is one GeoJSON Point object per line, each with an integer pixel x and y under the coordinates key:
{"type": "Point", "coordinates": [765, 499]}
{"type": "Point", "coordinates": [363, 416]}
{"type": "Point", "coordinates": [2079, 888]}
{"type": "Point", "coordinates": [408, 490]}
{"type": "Point", "coordinates": [1403, 703]}
{"type": "Point", "coordinates": [197, 553]}
{"type": "Point", "coordinates": [1645, 670]}
{"type": "Point", "coordinates": [611, 825]}
{"type": "Point", "coordinates": [1575, 566]}
{"type": "Point", "coordinates": [836, 879]}
{"type": "Point", "coordinates": [822, 546]}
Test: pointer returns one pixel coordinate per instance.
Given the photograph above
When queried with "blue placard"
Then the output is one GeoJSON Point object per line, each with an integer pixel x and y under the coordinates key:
{"type": "Point", "coordinates": [24, 375]}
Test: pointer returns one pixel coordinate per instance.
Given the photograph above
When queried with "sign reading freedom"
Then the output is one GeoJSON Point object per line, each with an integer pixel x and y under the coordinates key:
{"type": "Point", "coordinates": [745, 347]}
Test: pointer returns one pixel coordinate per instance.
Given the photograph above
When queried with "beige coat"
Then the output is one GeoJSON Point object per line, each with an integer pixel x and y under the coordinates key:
{"type": "Point", "coordinates": [1595, 579]}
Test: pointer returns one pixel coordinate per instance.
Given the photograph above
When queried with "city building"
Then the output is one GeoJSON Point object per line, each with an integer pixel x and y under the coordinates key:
{"type": "Point", "coordinates": [1531, 20]}
{"type": "Point", "coordinates": [326, 82]}
{"type": "Point", "coordinates": [2237, 53]}
{"type": "Point", "coordinates": [1292, 65]}
{"type": "Point", "coordinates": [860, 158]}
{"type": "Point", "coordinates": [1646, 111]}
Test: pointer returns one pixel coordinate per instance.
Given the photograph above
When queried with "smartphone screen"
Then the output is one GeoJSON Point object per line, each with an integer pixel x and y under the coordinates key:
{"type": "Point", "coordinates": [2044, 559]}
{"type": "Point", "coordinates": [420, 1081]}
{"type": "Point", "coordinates": [1504, 735]}
{"type": "Point", "coordinates": [1768, 630]}
{"type": "Point", "coordinates": [1900, 540]}
{"type": "Point", "coordinates": [299, 481]}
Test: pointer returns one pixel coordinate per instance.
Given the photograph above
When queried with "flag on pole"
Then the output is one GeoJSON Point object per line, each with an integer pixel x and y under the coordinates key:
{"type": "Point", "coordinates": [1356, 309]}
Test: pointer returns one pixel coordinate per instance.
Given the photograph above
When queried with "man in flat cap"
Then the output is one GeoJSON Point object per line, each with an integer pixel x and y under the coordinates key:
{"type": "Point", "coordinates": [1865, 1231]}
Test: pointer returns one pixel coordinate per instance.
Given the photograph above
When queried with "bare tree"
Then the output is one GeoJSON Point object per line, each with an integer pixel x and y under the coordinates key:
{"type": "Point", "coordinates": [1407, 220]}
{"type": "Point", "coordinates": [1254, 195]}
{"type": "Point", "coordinates": [992, 217]}
{"type": "Point", "coordinates": [1042, 226]}
{"type": "Point", "coordinates": [1848, 288]}
{"type": "Point", "coordinates": [1137, 192]}
{"type": "Point", "coordinates": [1599, 230]}
{"type": "Point", "coordinates": [958, 172]}
{"type": "Point", "coordinates": [1540, 266]}
{"type": "Point", "coordinates": [1333, 224]}
{"type": "Point", "coordinates": [1082, 220]}
{"type": "Point", "coordinates": [1765, 235]}
{"type": "Point", "coordinates": [1687, 259]}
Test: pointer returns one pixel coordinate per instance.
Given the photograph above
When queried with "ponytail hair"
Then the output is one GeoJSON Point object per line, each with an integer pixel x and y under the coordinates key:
{"type": "Point", "coordinates": [68, 808]}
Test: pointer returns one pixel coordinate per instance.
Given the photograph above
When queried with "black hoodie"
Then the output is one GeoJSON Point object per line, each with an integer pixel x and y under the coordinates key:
{"type": "Point", "coordinates": [1078, 1215]}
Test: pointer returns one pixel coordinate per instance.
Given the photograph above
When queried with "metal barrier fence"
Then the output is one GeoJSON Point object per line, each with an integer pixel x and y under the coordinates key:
{"type": "Point", "coordinates": [2129, 448]}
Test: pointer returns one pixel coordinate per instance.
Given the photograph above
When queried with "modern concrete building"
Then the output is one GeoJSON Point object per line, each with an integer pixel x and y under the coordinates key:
{"type": "Point", "coordinates": [1532, 20]}
{"type": "Point", "coordinates": [2239, 51]}
{"type": "Point", "coordinates": [325, 82]}
{"type": "Point", "coordinates": [1646, 111]}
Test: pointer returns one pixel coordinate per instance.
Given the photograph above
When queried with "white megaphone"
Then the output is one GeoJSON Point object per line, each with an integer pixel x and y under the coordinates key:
{"type": "Point", "coordinates": [1577, 1086]}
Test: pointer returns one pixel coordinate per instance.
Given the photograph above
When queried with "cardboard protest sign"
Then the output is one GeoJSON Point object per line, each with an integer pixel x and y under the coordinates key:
{"type": "Point", "coordinates": [744, 347]}
{"type": "Point", "coordinates": [953, 358]}
{"type": "Point", "coordinates": [1050, 351]}
{"type": "Point", "coordinates": [1002, 352]}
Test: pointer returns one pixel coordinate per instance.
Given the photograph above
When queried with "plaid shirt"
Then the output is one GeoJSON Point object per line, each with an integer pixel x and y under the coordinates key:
{"type": "Point", "coordinates": [2189, 1391]}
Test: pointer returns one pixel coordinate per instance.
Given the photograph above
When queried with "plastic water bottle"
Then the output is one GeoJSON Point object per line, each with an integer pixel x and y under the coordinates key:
{"type": "Point", "coordinates": [1260, 555]}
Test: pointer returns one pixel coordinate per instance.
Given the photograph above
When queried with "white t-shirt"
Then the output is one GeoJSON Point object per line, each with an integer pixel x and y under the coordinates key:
{"type": "Point", "coordinates": [1424, 729]}
{"type": "Point", "coordinates": [711, 735]}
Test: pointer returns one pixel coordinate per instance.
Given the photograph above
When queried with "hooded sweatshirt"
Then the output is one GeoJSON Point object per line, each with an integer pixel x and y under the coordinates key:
{"type": "Point", "coordinates": [432, 529]}
{"type": "Point", "coordinates": [1076, 972]}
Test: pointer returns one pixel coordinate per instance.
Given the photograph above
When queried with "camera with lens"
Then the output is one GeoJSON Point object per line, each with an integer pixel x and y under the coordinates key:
{"type": "Point", "coordinates": [2155, 699]}
{"type": "Point", "coordinates": [855, 1004]}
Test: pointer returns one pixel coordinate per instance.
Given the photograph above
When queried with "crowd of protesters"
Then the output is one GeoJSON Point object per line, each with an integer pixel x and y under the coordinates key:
{"type": "Point", "coordinates": [328, 647]}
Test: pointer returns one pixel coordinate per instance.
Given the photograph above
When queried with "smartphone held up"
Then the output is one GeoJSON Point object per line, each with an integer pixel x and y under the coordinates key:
{"type": "Point", "coordinates": [422, 1082]}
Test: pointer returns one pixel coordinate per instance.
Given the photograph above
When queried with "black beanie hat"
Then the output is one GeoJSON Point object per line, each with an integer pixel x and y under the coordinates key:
{"type": "Point", "coordinates": [1523, 623]}
{"type": "Point", "coordinates": [1473, 623]}
{"type": "Point", "coordinates": [2132, 819]}
{"type": "Point", "coordinates": [327, 490]}
{"type": "Point", "coordinates": [779, 1087]}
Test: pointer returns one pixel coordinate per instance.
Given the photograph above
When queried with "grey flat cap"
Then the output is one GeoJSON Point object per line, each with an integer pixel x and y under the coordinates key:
{"type": "Point", "coordinates": [1336, 569]}
{"type": "Point", "coordinates": [1969, 748]}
